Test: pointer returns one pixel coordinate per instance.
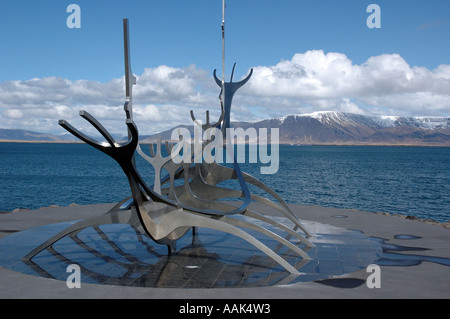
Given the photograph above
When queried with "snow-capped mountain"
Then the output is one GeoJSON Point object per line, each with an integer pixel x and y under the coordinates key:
{"type": "Point", "coordinates": [427, 123]}
{"type": "Point", "coordinates": [348, 128]}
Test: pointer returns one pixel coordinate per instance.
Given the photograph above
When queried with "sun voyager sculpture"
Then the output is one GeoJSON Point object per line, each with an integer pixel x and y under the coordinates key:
{"type": "Point", "coordinates": [189, 197]}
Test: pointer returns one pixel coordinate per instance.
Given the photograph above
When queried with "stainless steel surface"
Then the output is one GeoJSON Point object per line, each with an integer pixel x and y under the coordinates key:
{"type": "Point", "coordinates": [189, 196]}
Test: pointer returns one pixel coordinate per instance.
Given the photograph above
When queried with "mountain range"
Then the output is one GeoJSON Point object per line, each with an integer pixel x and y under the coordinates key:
{"type": "Point", "coordinates": [339, 128]}
{"type": "Point", "coordinates": [30, 136]}
{"type": "Point", "coordinates": [322, 128]}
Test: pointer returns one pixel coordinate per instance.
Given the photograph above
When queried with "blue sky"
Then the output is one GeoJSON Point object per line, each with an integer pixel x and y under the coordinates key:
{"type": "Point", "coordinates": [35, 43]}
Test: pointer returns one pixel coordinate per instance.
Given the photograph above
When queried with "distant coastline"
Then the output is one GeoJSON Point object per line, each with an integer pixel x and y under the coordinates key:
{"type": "Point", "coordinates": [319, 128]}
{"type": "Point", "coordinates": [281, 143]}
{"type": "Point", "coordinates": [40, 142]}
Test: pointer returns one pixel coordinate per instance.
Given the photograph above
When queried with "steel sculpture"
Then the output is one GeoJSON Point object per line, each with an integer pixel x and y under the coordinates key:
{"type": "Point", "coordinates": [147, 265]}
{"type": "Point", "coordinates": [188, 197]}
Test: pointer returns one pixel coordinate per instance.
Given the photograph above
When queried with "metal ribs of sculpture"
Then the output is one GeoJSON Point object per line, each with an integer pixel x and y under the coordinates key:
{"type": "Point", "coordinates": [168, 210]}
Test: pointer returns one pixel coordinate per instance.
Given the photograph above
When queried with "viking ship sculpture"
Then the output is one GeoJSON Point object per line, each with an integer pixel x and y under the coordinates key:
{"type": "Point", "coordinates": [189, 196]}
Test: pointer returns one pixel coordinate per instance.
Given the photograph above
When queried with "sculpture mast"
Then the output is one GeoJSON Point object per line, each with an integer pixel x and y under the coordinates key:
{"type": "Point", "coordinates": [130, 79]}
{"type": "Point", "coordinates": [222, 97]}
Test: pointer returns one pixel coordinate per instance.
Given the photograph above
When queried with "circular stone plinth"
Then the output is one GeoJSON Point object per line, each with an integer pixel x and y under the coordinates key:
{"type": "Point", "coordinates": [117, 254]}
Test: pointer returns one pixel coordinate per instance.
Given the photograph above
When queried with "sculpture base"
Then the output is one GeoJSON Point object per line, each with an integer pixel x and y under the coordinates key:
{"type": "Point", "coordinates": [117, 254]}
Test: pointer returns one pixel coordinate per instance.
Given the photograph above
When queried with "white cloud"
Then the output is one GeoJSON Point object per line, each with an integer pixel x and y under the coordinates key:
{"type": "Point", "coordinates": [13, 114]}
{"type": "Point", "coordinates": [312, 75]}
{"type": "Point", "coordinates": [162, 97]}
{"type": "Point", "coordinates": [326, 81]}
{"type": "Point", "coordinates": [166, 84]}
{"type": "Point", "coordinates": [310, 81]}
{"type": "Point", "coordinates": [347, 106]}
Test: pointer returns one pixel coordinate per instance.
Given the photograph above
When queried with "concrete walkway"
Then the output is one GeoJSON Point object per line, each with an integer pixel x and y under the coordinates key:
{"type": "Point", "coordinates": [419, 269]}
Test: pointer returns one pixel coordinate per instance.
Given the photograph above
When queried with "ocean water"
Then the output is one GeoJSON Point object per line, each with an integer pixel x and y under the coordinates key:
{"type": "Point", "coordinates": [401, 180]}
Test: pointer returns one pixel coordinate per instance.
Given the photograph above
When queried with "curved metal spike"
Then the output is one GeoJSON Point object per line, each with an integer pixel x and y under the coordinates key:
{"type": "Point", "coordinates": [87, 116]}
{"type": "Point", "coordinates": [78, 134]}
{"type": "Point", "coordinates": [208, 124]}
{"type": "Point", "coordinates": [152, 152]}
{"type": "Point", "coordinates": [232, 72]}
{"type": "Point", "coordinates": [237, 84]}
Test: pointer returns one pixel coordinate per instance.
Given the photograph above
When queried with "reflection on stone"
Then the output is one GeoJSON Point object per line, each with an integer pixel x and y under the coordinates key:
{"type": "Point", "coordinates": [118, 254]}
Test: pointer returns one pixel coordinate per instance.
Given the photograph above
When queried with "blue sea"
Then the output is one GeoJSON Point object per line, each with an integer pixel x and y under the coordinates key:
{"type": "Point", "coordinates": [398, 180]}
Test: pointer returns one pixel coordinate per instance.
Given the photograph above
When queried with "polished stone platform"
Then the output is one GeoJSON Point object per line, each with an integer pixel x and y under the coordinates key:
{"type": "Point", "coordinates": [118, 254]}
{"type": "Point", "coordinates": [118, 262]}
